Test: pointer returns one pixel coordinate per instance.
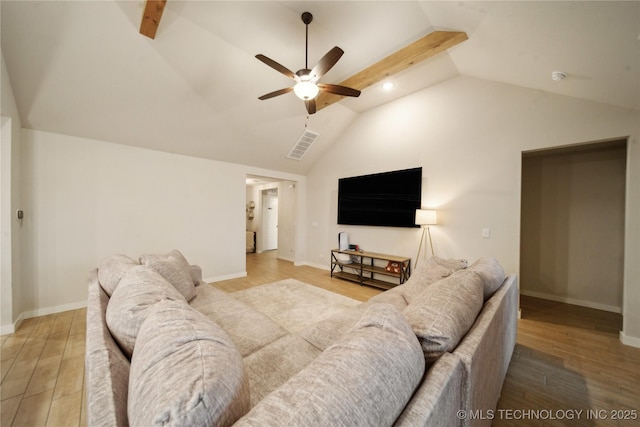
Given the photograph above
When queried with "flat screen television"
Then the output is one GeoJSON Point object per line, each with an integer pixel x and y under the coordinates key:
{"type": "Point", "coordinates": [387, 199]}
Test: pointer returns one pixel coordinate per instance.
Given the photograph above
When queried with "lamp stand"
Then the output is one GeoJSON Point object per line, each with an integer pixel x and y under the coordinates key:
{"type": "Point", "coordinates": [424, 230]}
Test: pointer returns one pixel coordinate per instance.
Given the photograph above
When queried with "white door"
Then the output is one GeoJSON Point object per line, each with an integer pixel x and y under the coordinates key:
{"type": "Point", "coordinates": [270, 219]}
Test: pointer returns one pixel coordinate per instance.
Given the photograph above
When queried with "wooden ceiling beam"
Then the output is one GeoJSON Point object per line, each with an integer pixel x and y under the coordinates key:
{"type": "Point", "coordinates": [426, 47]}
{"type": "Point", "coordinates": [151, 17]}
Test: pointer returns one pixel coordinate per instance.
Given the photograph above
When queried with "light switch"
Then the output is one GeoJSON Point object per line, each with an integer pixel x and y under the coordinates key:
{"type": "Point", "coordinates": [486, 233]}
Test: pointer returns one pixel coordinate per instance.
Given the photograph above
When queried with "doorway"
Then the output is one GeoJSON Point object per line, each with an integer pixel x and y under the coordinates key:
{"type": "Point", "coordinates": [572, 224]}
{"type": "Point", "coordinates": [272, 215]}
{"type": "Point", "coordinates": [270, 219]}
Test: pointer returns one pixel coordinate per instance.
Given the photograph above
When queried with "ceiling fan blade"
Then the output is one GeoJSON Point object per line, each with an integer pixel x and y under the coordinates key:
{"type": "Point", "coordinates": [338, 90]}
{"type": "Point", "coordinates": [311, 106]}
{"type": "Point", "coordinates": [421, 49]}
{"type": "Point", "coordinates": [327, 61]}
{"type": "Point", "coordinates": [275, 93]}
{"type": "Point", "coordinates": [273, 64]}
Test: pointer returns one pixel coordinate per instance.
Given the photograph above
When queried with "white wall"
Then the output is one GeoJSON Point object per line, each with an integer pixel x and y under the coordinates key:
{"type": "Point", "coordinates": [11, 294]}
{"type": "Point", "coordinates": [87, 199]}
{"type": "Point", "coordinates": [287, 202]}
{"type": "Point", "coordinates": [468, 135]}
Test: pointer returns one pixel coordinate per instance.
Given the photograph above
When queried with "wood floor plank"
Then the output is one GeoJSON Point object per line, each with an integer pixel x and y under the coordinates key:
{"type": "Point", "coordinates": [71, 377]}
{"type": "Point", "coordinates": [8, 409]}
{"type": "Point", "coordinates": [33, 410]}
{"type": "Point", "coordinates": [65, 412]}
{"type": "Point", "coordinates": [45, 375]}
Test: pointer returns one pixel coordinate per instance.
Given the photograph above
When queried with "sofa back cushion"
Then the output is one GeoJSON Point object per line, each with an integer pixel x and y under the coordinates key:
{"type": "Point", "coordinates": [175, 269]}
{"type": "Point", "coordinates": [365, 378]}
{"type": "Point", "coordinates": [185, 371]}
{"type": "Point", "coordinates": [425, 274]}
{"type": "Point", "coordinates": [140, 289]}
{"type": "Point", "coordinates": [112, 269]}
{"type": "Point", "coordinates": [443, 313]}
{"type": "Point", "coordinates": [491, 273]}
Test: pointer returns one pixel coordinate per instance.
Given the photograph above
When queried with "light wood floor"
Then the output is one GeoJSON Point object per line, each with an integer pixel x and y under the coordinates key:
{"type": "Point", "coordinates": [566, 358]}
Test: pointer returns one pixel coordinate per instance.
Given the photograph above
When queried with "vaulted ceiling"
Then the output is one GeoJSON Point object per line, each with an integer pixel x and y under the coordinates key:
{"type": "Point", "coordinates": [82, 68]}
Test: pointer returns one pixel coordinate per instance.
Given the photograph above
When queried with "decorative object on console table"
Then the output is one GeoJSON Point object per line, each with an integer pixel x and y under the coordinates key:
{"type": "Point", "coordinates": [362, 268]}
{"type": "Point", "coordinates": [425, 218]}
{"type": "Point", "coordinates": [251, 206]}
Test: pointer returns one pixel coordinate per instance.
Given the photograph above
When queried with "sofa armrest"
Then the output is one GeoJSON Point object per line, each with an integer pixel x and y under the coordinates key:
{"type": "Point", "coordinates": [439, 398]}
{"type": "Point", "coordinates": [107, 369]}
{"type": "Point", "coordinates": [486, 351]}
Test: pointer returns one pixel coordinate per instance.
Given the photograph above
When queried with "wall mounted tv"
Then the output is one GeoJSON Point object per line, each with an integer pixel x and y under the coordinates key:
{"type": "Point", "coordinates": [387, 199]}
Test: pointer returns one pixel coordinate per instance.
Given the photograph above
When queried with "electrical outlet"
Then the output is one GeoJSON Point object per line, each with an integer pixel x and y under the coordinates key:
{"type": "Point", "coordinates": [486, 233]}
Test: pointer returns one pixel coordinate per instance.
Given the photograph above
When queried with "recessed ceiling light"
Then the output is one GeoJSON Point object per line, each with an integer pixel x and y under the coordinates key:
{"type": "Point", "coordinates": [388, 86]}
{"type": "Point", "coordinates": [556, 76]}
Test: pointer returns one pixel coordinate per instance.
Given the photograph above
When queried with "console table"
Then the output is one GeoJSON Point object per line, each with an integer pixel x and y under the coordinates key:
{"type": "Point", "coordinates": [362, 268]}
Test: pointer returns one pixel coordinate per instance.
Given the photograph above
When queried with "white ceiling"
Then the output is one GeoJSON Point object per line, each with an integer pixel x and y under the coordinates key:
{"type": "Point", "coordinates": [81, 68]}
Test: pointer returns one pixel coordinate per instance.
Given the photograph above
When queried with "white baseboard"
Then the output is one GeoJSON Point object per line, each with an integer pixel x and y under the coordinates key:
{"type": "Point", "coordinates": [10, 329]}
{"type": "Point", "coordinates": [627, 340]}
{"type": "Point", "coordinates": [225, 277]}
{"type": "Point", "coordinates": [55, 309]}
{"type": "Point", "coordinates": [582, 303]}
{"type": "Point", "coordinates": [313, 264]}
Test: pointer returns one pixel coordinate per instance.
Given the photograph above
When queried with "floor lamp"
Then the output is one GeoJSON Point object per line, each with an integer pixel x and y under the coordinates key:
{"type": "Point", "coordinates": [425, 218]}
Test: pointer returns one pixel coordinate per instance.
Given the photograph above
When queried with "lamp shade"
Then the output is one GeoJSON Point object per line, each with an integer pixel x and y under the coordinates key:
{"type": "Point", "coordinates": [426, 217]}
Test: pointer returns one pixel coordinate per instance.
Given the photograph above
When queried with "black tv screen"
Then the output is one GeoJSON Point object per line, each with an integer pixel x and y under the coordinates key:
{"type": "Point", "coordinates": [387, 199]}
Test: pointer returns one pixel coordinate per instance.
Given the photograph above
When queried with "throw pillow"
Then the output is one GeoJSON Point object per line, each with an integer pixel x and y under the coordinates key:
{"type": "Point", "coordinates": [175, 268]}
{"type": "Point", "coordinates": [112, 270]}
{"type": "Point", "coordinates": [196, 275]}
{"type": "Point", "coordinates": [443, 313]}
{"type": "Point", "coordinates": [425, 274]}
{"type": "Point", "coordinates": [364, 379]}
{"type": "Point", "coordinates": [140, 289]}
{"type": "Point", "coordinates": [491, 273]}
{"type": "Point", "coordinates": [451, 263]}
{"type": "Point", "coordinates": [185, 371]}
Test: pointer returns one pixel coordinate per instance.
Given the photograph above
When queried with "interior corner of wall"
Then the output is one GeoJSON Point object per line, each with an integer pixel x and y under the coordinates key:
{"type": "Point", "coordinates": [629, 340]}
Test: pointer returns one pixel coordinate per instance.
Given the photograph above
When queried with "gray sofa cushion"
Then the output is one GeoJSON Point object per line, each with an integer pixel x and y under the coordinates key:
{"type": "Point", "coordinates": [141, 288]}
{"type": "Point", "coordinates": [112, 269]}
{"type": "Point", "coordinates": [393, 296]}
{"type": "Point", "coordinates": [185, 371]}
{"type": "Point", "coordinates": [175, 268]}
{"type": "Point", "coordinates": [491, 273]}
{"type": "Point", "coordinates": [325, 332]}
{"type": "Point", "coordinates": [364, 379]}
{"type": "Point", "coordinates": [454, 264]}
{"type": "Point", "coordinates": [424, 275]}
{"type": "Point", "coordinates": [273, 365]}
{"type": "Point", "coordinates": [443, 313]}
{"type": "Point", "coordinates": [249, 329]}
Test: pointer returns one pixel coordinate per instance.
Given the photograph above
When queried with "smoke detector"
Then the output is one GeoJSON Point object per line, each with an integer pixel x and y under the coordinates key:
{"type": "Point", "coordinates": [557, 76]}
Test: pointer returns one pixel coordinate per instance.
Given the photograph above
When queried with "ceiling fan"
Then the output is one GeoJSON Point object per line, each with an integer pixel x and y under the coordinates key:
{"type": "Point", "coordinates": [307, 86]}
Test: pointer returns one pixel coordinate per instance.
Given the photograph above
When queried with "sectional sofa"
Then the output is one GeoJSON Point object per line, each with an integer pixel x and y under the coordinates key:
{"type": "Point", "coordinates": [165, 348]}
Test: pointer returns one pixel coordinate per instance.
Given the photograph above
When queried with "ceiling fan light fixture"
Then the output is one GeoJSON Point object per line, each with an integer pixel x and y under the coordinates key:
{"type": "Point", "coordinates": [306, 90]}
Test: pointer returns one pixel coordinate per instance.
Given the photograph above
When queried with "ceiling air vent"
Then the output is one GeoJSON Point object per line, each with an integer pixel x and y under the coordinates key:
{"type": "Point", "coordinates": [304, 143]}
